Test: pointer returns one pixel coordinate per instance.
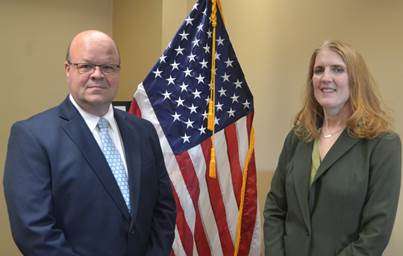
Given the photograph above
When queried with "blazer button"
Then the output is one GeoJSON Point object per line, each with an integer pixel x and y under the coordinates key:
{"type": "Point", "coordinates": [131, 231]}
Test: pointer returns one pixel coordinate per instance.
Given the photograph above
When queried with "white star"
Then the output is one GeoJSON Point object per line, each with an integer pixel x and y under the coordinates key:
{"type": "Point", "coordinates": [234, 98]}
{"type": "Point", "coordinates": [219, 106]}
{"type": "Point", "coordinates": [175, 65]}
{"type": "Point", "coordinates": [189, 123]}
{"type": "Point", "coordinates": [217, 56]}
{"type": "Point", "coordinates": [216, 120]}
{"type": "Point", "coordinates": [189, 21]}
{"type": "Point", "coordinates": [200, 27]}
{"type": "Point", "coordinates": [191, 57]}
{"type": "Point", "coordinates": [203, 63]}
{"type": "Point", "coordinates": [187, 72]}
{"type": "Point", "coordinates": [162, 58]}
{"type": "Point", "coordinates": [184, 87]}
{"type": "Point", "coordinates": [207, 100]}
{"type": "Point", "coordinates": [195, 6]}
{"type": "Point", "coordinates": [180, 102]}
{"type": "Point", "coordinates": [225, 77]}
{"type": "Point", "coordinates": [186, 138]}
{"type": "Point", "coordinates": [202, 130]}
{"type": "Point", "coordinates": [206, 48]}
{"type": "Point", "coordinates": [205, 12]}
{"type": "Point", "coordinates": [167, 95]}
{"type": "Point", "coordinates": [204, 115]}
{"type": "Point", "coordinates": [179, 50]}
{"type": "Point", "coordinates": [184, 36]}
{"type": "Point", "coordinates": [200, 79]}
{"type": "Point", "coordinates": [196, 94]}
{"type": "Point", "coordinates": [195, 42]}
{"type": "Point", "coordinates": [231, 112]}
{"type": "Point", "coordinates": [192, 109]}
{"type": "Point", "coordinates": [209, 33]}
{"type": "Point", "coordinates": [157, 73]}
{"type": "Point", "coordinates": [222, 91]}
{"type": "Point", "coordinates": [238, 84]}
{"type": "Point", "coordinates": [246, 104]}
{"type": "Point", "coordinates": [229, 63]}
{"type": "Point", "coordinates": [171, 80]}
{"type": "Point", "coordinates": [220, 41]}
{"type": "Point", "coordinates": [176, 117]}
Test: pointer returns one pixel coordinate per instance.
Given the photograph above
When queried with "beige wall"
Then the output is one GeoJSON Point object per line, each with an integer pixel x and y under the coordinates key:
{"type": "Point", "coordinates": [34, 38]}
{"type": "Point", "coordinates": [272, 38]}
{"type": "Point", "coordinates": [137, 31]}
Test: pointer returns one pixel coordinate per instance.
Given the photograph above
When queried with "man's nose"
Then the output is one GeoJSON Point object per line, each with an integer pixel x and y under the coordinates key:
{"type": "Point", "coordinates": [97, 73]}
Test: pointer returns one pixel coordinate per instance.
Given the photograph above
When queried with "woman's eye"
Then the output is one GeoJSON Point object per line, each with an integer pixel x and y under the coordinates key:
{"type": "Point", "coordinates": [338, 69]}
{"type": "Point", "coordinates": [318, 70]}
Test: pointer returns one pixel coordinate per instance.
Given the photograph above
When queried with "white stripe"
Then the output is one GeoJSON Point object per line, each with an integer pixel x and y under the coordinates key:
{"type": "Point", "coordinates": [225, 181]}
{"type": "Point", "coordinates": [243, 140]}
{"type": "Point", "coordinates": [206, 212]}
{"type": "Point", "coordinates": [256, 237]}
{"type": "Point", "coordinates": [177, 246]}
{"type": "Point", "coordinates": [171, 165]}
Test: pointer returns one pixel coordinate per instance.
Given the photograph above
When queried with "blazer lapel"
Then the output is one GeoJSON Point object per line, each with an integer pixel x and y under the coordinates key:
{"type": "Point", "coordinates": [341, 146]}
{"type": "Point", "coordinates": [79, 133]}
{"type": "Point", "coordinates": [132, 144]}
{"type": "Point", "coordinates": [301, 174]}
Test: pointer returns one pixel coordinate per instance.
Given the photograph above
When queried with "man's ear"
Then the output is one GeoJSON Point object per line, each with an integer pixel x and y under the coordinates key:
{"type": "Point", "coordinates": [66, 68]}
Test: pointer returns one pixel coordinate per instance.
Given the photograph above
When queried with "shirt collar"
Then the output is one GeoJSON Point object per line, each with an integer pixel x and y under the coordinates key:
{"type": "Point", "coordinates": [92, 120]}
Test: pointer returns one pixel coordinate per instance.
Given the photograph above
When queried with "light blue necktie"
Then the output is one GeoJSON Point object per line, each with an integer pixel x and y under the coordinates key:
{"type": "Point", "coordinates": [114, 159]}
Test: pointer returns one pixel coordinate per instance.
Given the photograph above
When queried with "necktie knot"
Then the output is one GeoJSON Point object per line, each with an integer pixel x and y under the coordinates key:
{"type": "Point", "coordinates": [103, 124]}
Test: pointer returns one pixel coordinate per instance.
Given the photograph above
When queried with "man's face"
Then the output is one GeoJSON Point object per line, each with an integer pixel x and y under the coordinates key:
{"type": "Point", "coordinates": [92, 90]}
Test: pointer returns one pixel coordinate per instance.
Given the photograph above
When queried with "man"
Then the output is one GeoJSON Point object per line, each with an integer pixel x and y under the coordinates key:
{"type": "Point", "coordinates": [86, 179]}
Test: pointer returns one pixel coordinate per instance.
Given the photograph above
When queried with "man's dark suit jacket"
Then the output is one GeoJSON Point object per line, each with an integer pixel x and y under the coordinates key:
{"type": "Point", "coordinates": [63, 199]}
{"type": "Point", "coordinates": [350, 208]}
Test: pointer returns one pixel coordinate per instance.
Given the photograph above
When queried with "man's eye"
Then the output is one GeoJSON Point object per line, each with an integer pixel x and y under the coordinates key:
{"type": "Point", "coordinates": [85, 66]}
{"type": "Point", "coordinates": [107, 68]}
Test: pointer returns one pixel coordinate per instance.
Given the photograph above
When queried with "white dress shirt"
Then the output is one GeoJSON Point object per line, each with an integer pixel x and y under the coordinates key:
{"type": "Point", "coordinates": [92, 121]}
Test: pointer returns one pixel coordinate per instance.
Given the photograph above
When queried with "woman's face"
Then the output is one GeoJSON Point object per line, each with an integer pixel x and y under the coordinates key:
{"type": "Point", "coordinates": [330, 81]}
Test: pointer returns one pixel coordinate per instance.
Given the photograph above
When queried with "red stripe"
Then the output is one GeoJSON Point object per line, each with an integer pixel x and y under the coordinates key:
{"type": "Point", "coordinates": [172, 253]}
{"type": "Point", "coordinates": [192, 184]}
{"type": "Point", "coordinates": [250, 203]}
{"type": "Point", "coordinates": [217, 204]}
{"type": "Point", "coordinates": [134, 108]}
{"type": "Point", "coordinates": [233, 156]}
{"type": "Point", "coordinates": [185, 233]}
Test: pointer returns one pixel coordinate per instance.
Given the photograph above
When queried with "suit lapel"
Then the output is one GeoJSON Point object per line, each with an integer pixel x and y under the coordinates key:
{"type": "Point", "coordinates": [300, 174]}
{"type": "Point", "coordinates": [76, 128]}
{"type": "Point", "coordinates": [132, 145]}
{"type": "Point", "coordinates": [340, 147]}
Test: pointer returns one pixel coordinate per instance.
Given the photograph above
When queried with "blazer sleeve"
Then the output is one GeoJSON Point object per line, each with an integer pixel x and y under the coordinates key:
{"type": "Point", "coordinates": [379, 211]}
{"type": "Point", "coordinates": [27, 189]}
{"type": "Point", "coordinates": [276, 203]}
{"type": "Point", "coordinates": [164, 218]}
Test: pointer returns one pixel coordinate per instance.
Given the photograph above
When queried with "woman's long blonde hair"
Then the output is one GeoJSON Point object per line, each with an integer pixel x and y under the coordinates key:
{"type": "Point", "coordinates": [368, 119]}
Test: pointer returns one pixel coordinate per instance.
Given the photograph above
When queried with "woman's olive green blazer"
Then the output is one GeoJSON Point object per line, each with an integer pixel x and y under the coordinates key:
{"type": "Point", "coordinates": [349, 209]}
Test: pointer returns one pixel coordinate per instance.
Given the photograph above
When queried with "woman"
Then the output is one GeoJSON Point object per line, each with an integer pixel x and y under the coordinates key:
{"type": "Point", "coordinates": [336, 187]}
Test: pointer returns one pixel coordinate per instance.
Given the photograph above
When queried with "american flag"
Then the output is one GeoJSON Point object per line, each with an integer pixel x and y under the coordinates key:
{"type": "Point", "coordinates": [174, 97]}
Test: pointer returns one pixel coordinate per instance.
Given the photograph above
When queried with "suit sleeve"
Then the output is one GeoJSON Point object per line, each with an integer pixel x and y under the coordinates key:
{"type": "Point", "coordinates": [379, 212]}
{"type": "Point", "coordinates": [163, 223]}
{"type": "Point", "coordinates": [276, 205]}
{"type": "Point", "coordinates": [27, 188]}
